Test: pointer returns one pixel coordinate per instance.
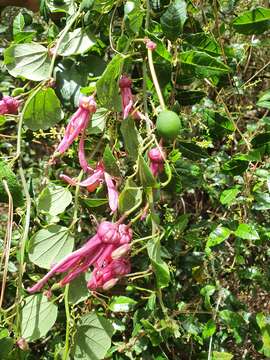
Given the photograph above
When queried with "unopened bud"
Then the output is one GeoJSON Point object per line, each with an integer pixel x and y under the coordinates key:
{"type": "Point", "coordinates": [120, 252]}
{"type": "Point", "coordinates": [151, 45]}
{"type": "Point", "coordinates": [109, 284]}
{"type": "Point", "coordinates": [22, 344]}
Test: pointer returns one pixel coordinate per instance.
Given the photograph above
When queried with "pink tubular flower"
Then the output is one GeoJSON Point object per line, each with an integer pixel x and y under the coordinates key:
{"type": "Point", "coordinates": [98, 176]}
{"type": "Point", "coordinates": [156, 161]}
{"type": "Point", "coordinates": [77, 123]}
{"type": "Point", "coordinates": [127, 98]}
{"type": "Point", "coordinates": [9, 105]}
{"type": "Point", "coordinates": [96, 251]}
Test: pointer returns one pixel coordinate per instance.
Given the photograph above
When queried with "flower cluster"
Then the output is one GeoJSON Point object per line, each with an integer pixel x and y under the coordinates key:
{"type": "Point", "coordinates": [9, 105]}
{"type": "Point", "coordinates": [107, 251]}
{"type": "Point", "coordinates": [157, 159]}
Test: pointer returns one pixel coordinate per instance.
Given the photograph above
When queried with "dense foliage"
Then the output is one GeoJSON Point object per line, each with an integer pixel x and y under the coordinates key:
{"type": "Point", "coordinates": [194, 191]}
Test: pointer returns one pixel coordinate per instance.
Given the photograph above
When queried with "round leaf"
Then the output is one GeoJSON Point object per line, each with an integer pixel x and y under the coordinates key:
{"type": "Point", "coordinates": [76, 42]}
{"type": "Point", "coordinates": [38, 317]}
{"type": "Point", "coordinates": [43, 111]}
{"type": "Point", "coordinates": [50, 245]}
{"type": "Point", "coordinates": [54, 199]}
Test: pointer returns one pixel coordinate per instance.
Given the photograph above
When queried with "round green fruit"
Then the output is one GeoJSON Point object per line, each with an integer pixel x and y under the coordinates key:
{"type": "Point", "coordinates": [168, 124]}
{"type": "Point", "coordinates": [14, 187]}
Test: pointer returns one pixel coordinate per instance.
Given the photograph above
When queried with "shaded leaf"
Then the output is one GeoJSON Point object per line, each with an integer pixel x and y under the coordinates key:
{"type": "Point", "coordinates": [146, 177]}
{"type": "Point", "coordinates": [131, 137]}
{"type": "Point", "coordinates": [161, 269]}
{"type": "Point", "coordinates": [255, 21]}
{"type": "Point", "coordinates": [192, 151]}
{"type": "Point", "coordinates": [110, 162]}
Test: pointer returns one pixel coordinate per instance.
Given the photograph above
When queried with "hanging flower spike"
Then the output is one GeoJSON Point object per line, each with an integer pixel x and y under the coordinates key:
{"type": "Point", "coordinates": [77, 123]}
{"type": "Point", "coordinates": [9, 105]}
{"type": "Point", "coordinates": [127, 98]}
{"type": "Point", "coordinates": [97, 250]}
{"type": "Point", "coordinates": [93, 181]}
{"type": "Point", "coordinates": [156, 161]}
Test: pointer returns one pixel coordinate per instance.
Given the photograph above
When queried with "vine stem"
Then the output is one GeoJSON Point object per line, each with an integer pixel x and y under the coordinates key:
{"type": "Point", "coordinates": [154, 78]}
{"type": "Point", "coordinates": [66, 351]}
{"type": "Point", "coordinates": [7, 244]}
{"type": "Point", "coordinates": [23, 242]}
{"type": "Point", "coordinates": [61, 37]}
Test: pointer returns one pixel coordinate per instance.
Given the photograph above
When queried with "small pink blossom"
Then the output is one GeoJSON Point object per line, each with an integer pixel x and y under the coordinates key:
{"type": "Point", "coordinates": [77, 123]}
{"type": "Point", "coordinates": [151, 45]}
{"type": "Point", "coordinates": [9, 105]}
{"type": "Point", "coordinates": [96, 251]}
{"type": "Point", "coordinates": [22, 344]}
{"type": "Point", "coordinates": [127, 98]}
{"type": "Point", "coordinates": [156, 161]}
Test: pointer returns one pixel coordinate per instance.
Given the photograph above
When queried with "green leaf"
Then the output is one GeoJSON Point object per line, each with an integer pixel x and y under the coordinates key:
{"type": "Point", "coordinates": [234, 322]}
{"type": "Point", "coordinates": [227, 197]}
{"type": "Point", "coordinates": [209, 329]}
{"type": "Point", "coordinates": [235, 166]}
{"type": "Point", "coordinates": [204, 42]}
{"type": "Point", "coordinates": [107, 85]}
{"type": "Point", "coordinates": [76, 42]}
{"type": "Point", "coordinates": [146, 177]}
{"type": "Point", "coordinates": [192, 151]}
{"type": "Point", "coordinates": [61, 6]}
{"type": "Point", "coordinates": [172, 21]}
{"type": "Point", "coordinates": [93, 337]}
{"type": "Point", "coordinates": [43, 111]}
{"type": "Point", "coordinates": [30, 61]}
{"type": "Point", "coordinates": [160, 268]}
{"type": "Point", "coordinates": [6, 345]}
{"type": "Point", "coordinates": [110, 162]}
{"type": "Point", "coordinates": [189, 97]}
{"type": "Point", "coordinates": [104, 6]}
{"type": "Point", "coordinates": [222, 356]}
{"type": "Point", "coordinates": [133, 15]}
{"type": "Point", "coordinates": [50, 245]}
{"type": "Point", "coordinates": [251, 22]}
{"type": "Point", "coordinates": [129, 197]}
{"type": "Point", "coordinates": [202, 64]}
{"type": "Point", "coordinates": [38, 317]}
{"type": "Point", "coordinates": [98, 121]}
{"type": "Point", "coordinates": [131, 137]}
{"type": "Point", "coordinates": [245, 231]}
{"type": "Point", "coordinates": [18, 24]}
{"type": "Point", "coordinates": [217, 236]}
{"type": "Point", "coordinates": [122, 304]}
{"type": "Point", "coordinates": [262, 201]}
{"type": "Point", "coordinates": [264, 100]}
{"type": "Point", "coordinates": [261, 139]}
{"type": "Point", "coordinates": [54, 199]}
{"type": "Point", "coordinates": [263, 323]}
{"type": "Point", "coordinates": [161, 49]}
{"type": "Point", "coordinates": [78, 291]}
{"type": "Point", "coordinates": [92, 203]}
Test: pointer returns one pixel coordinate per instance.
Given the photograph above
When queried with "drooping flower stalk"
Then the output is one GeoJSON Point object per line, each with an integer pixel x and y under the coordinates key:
{"type": "Point", "coordinates": [157, 159]}
{"type": "Point", "coordinates": [77, 123]}
{"type": "Point", "coordinates": [96, 251]}
{"type": "Point", "coordinates": [127, 98]}
{"type": "Point", "coordinates": [9, 105]}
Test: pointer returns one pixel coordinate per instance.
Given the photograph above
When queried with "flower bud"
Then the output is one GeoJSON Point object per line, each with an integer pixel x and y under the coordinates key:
{"type": "Point", "coordinates": [108, 232]}
{"type": "Point", "coordinates": [22, 344]}
{"type": "Point", "coordinates": [125, 82]}
{"type": "Point", "coordinates": [88, 103]}
{"type": "Point", "coordinates": [120, 251]}
{"type": "Point", "coordinates": [151, 45]}
{"type": "Point", "coordinates": [156, 155]}
{"type": "Point", "coordinates": [125, 233]}
{"type": "Point", "coordinates": [109, 284]}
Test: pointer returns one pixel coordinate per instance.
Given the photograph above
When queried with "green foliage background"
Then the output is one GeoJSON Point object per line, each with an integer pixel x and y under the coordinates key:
{"type": "Point", "coordinates": [199, 287]}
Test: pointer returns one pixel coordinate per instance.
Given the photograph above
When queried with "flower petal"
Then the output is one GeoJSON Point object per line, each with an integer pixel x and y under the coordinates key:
{"type": "Point", "coordinates": [112, 192]}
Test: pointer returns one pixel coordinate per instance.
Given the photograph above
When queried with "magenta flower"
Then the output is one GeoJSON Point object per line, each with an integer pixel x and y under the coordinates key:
{"type": "Point", "coordinates": [98, 177]}
{"type": "Point", "coordinates": [77, 123]}
{"type": "Point", "coordinates": [127, 98]}
{"type": "Point", "coordinates": [96, 251]}
{"type": "Point", "coordinates": [157, 159]}
{"type": "Point", "coordinates": [151, 45]}
{"type": "Point", "coordinates": [9, 105]}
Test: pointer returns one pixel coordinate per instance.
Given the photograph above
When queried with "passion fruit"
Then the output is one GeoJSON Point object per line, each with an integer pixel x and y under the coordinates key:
{"type": "Point", "coordinates": [168, 124]}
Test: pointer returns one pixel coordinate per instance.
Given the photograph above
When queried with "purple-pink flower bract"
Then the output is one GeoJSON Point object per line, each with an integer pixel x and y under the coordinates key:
{"type": "Point", "coordinates": [127, 98]}
{"type": "Point", "coordinates": [156, 160]}
{"type": "Point", "coordinates": [78, 122]}
{"type": "Point", "coordinates": [9, 105]}
{"type": "Point", "coordinates": [96, 251]}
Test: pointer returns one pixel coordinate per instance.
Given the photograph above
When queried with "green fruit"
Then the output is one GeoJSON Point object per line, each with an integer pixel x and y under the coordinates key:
{"type": "Point", "coordinates": [14, 187]}
{"type": "Point", "coordinates": [168, 124]}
